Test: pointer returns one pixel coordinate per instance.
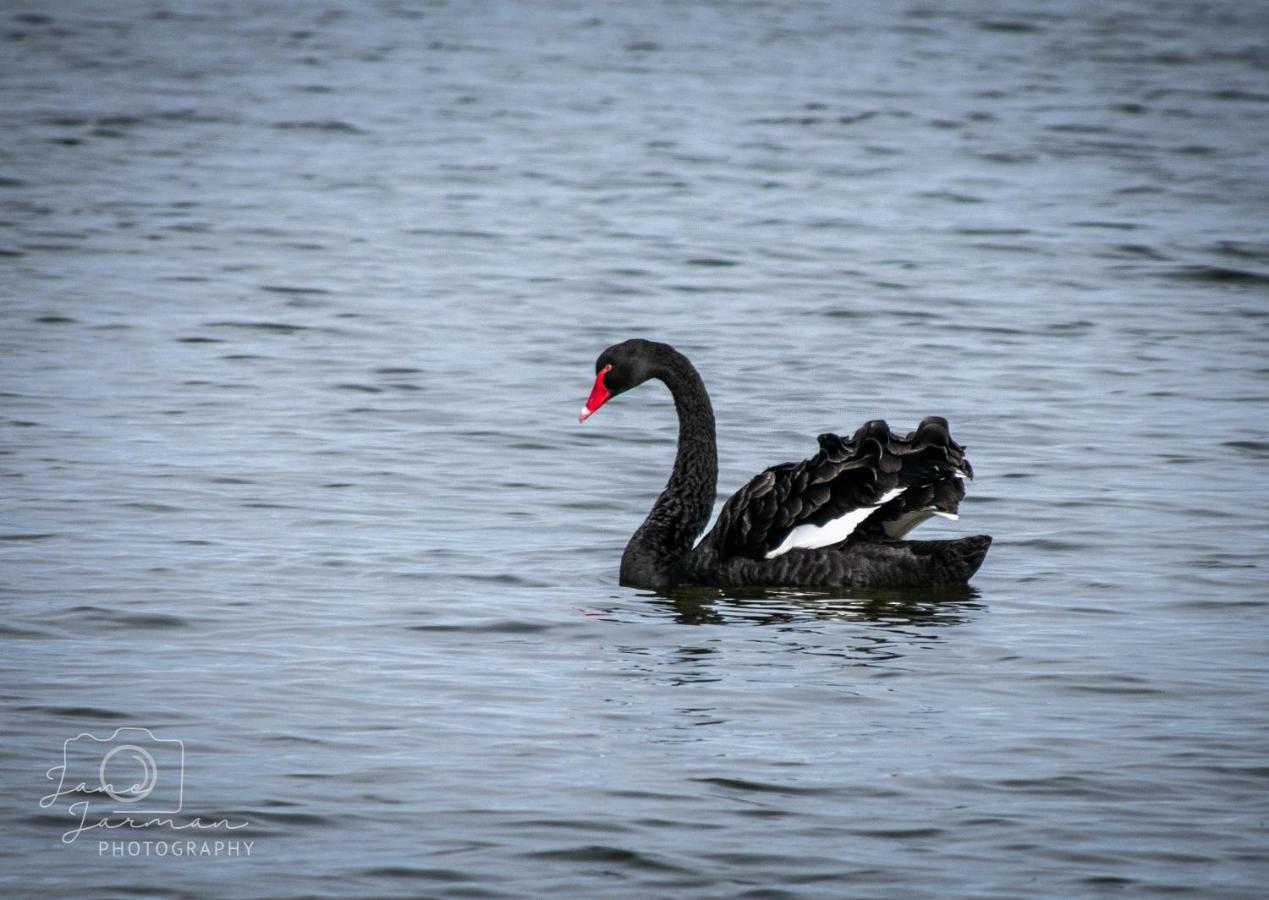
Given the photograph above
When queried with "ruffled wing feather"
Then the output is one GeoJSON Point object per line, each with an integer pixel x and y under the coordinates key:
{"type": "Point", "coordinates": [853, 482]}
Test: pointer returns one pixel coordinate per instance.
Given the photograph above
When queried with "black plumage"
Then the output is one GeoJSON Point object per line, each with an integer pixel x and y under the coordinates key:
{"type": "Point", "coordinates": [881, 483]}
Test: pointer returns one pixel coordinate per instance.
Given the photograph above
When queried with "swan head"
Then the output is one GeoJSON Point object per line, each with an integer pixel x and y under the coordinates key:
{"type": "Point", "coordinates": [620, 368]}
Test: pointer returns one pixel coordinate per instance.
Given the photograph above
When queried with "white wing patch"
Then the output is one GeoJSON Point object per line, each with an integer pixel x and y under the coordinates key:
{"type": "Point", "coordinates": [810, 537]}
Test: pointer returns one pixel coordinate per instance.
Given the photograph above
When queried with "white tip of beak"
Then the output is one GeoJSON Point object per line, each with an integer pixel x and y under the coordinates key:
{"type": "Point", "coordinates": [584, 414]}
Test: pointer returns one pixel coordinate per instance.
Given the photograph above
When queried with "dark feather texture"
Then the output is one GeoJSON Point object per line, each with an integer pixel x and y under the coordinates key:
{"type": "Point", "coordinates": [845, 475]}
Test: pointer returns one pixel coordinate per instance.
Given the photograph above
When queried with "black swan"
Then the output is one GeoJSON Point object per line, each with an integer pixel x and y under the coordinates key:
{"type": "Point", "coordinates": [834, 520]}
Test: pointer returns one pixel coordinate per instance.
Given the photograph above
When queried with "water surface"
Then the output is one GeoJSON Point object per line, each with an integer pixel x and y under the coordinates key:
{"type": "Point", "coordinates": [300, 306]}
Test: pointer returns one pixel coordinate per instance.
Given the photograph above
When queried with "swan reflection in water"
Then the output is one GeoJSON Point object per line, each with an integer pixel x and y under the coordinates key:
{"type": "Point", "coordinates": [816, 649]}
{"type": "Point", "coordinates": [924, 607]}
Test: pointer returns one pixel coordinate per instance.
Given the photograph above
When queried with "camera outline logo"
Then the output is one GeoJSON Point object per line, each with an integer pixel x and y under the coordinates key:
{"type": "Point", "coordinates": [131, 766]}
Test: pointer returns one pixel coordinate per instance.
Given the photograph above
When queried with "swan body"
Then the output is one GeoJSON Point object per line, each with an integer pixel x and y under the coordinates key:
{"type": "Point", "coordinates": [837, 519]}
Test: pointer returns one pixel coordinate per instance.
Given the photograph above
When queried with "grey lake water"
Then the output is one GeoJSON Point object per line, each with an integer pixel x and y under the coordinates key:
{"type": "Point", "coordinates": [299, 305]}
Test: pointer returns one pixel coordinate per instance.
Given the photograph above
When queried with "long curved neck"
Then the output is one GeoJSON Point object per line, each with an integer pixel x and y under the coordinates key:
{"type": "Point", "coordinates": [684, 507]}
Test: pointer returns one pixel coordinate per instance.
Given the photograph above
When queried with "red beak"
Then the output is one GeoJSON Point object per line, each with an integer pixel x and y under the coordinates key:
{"type": "Point", "coordinates": [598, 395]}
